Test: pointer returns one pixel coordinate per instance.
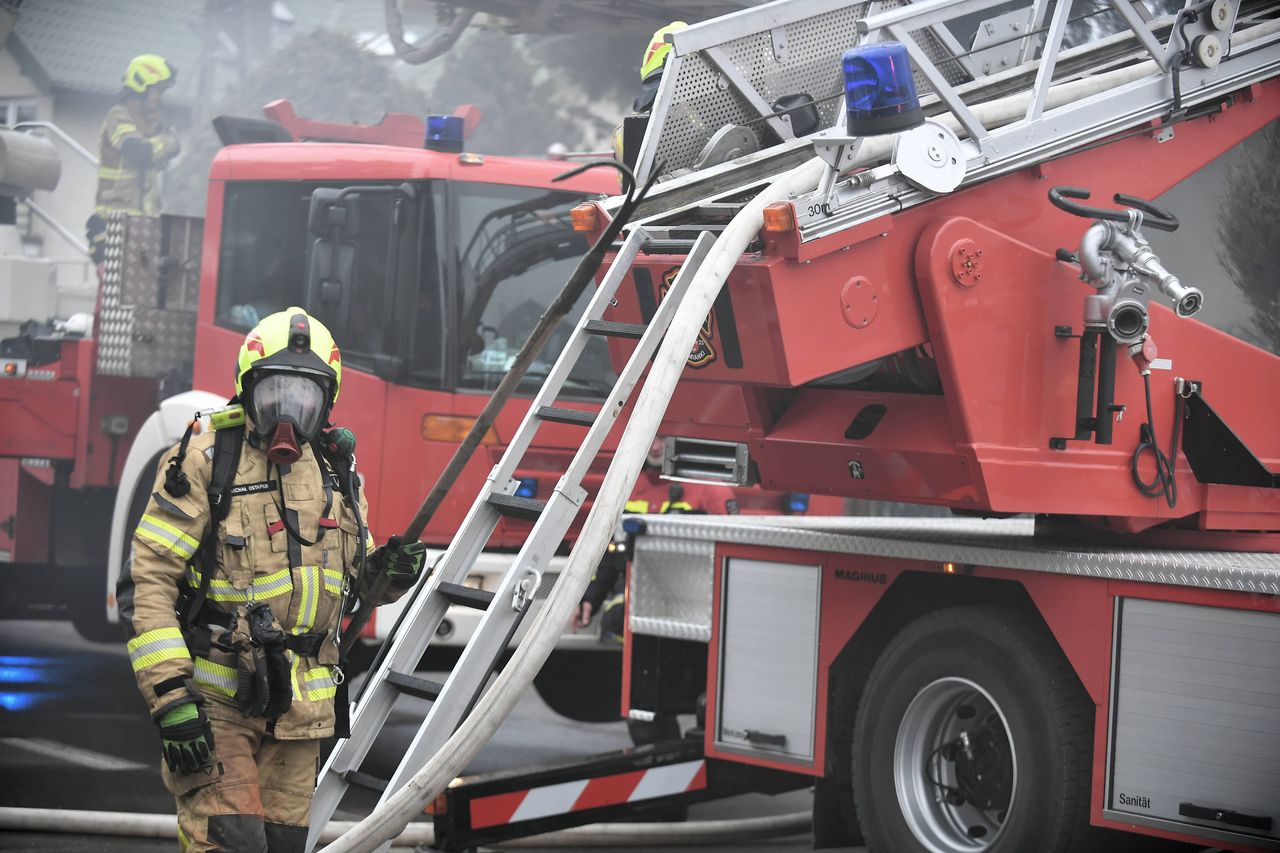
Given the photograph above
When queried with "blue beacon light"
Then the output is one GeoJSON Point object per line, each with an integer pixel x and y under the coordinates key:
{"type": "Point", "coordinates": [879, 92]}
{"type": "Point", "coordinates": [444, 133]}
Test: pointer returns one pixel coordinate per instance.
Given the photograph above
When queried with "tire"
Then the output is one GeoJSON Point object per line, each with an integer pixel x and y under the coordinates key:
{"type": "Point", "coordinates": [662, 728]}
{"type": "Point", "coordinates": [980, 703]}
{"type": "Point", "coordinates": [584, 686]}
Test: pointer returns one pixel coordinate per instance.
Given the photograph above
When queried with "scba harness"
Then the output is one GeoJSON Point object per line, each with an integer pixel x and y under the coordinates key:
{"type": "Point", "coordinates": [252, 633]}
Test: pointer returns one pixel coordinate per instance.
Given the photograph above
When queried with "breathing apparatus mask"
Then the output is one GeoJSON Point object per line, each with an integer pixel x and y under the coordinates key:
{"type": "Point", "coordinates": [288, 409]}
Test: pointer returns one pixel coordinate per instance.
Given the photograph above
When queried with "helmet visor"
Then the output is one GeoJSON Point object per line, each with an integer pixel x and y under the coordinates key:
{"type": "Point", "coordinates": [279, 397]}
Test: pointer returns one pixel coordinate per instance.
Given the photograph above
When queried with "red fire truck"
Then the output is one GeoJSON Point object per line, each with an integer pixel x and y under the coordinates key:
{"type": "Point", "coordinates": [955, 297]}
{"type": "Point", "coordinates": [465, 241]}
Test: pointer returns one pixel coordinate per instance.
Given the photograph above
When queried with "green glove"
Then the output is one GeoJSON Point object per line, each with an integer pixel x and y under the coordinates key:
{"type": "Point", "coordinates": [402, 562]}
{"type": "Point", "coordinates": [187, 738]}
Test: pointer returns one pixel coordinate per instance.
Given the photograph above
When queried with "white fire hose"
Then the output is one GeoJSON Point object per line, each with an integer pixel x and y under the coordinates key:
{"type": "Point", "coordinates": [391, 817]}
{"type": "Point", "coordinates": [423, 834]}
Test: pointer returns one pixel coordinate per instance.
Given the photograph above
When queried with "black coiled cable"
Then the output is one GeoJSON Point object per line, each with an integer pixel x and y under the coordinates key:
{"type": "Point", "coordinates": [1164, 483]}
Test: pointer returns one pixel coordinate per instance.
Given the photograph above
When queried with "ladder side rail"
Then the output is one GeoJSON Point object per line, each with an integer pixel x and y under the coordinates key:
{"type": "Point", "coordinates": [568, 358]}
{"type": "Point", "coordinates": [495, 629]}
{"type": "Point", "coordinates": [1039, 9]}
{"type": "Point", "coordinates": [1049, 58]}
{"type": "Point", "coordinates": [657, 117]}
{"type": "Point", "coordinates": [639, 360]}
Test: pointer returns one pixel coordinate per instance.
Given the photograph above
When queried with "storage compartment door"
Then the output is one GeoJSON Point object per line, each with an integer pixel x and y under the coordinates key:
{"type": "Point", "coordinates": [1195, 737]}
{"type": "Point", "coordinates": [768, 659]}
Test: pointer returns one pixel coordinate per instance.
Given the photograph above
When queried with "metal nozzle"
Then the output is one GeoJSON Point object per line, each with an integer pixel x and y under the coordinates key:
{"type": "Point", "coordinates": [1189, 302]}
{"type": "Point", "coordinates": [1127, 322]}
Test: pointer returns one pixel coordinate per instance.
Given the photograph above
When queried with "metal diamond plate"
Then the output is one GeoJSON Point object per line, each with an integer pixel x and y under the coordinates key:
{"type": "Point", "coordinates": [115, 337]}
{"type": "Point", "coordinates": [150, 261]}
{"type": "Point", "coordinates": [1008, 544]}
{"type": "Point", "coordinates": [139, 286]}
{"type": "Point", "coordinates": [670, 592]}
{"type": "Point", "coordinates": [113, 260]}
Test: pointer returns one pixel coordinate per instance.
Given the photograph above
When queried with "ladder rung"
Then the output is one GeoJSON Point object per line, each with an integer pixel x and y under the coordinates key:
{"type": "Point", "coordinates": [467, 596]}
{"type": "Point", "coordinates": [528, 509]}
{"type": "Point", "coordinates": [364, 780]}
{"type": "Point", "coordinates": [414, 686]}
{"type": "Point", "coordinates": [566, 416]}
{"type": "Point", "coordinates": [669, 246]}
{"type": "Point", "coordinates": [611, 329]}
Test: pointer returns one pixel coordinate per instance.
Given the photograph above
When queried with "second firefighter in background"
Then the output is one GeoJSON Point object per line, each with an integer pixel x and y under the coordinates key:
{"type": "Point", "coordinates": [134, 145]}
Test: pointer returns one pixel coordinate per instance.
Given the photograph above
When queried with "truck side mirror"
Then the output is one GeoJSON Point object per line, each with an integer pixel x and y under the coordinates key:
{"type": "Point", "coordinates": [334, 221]}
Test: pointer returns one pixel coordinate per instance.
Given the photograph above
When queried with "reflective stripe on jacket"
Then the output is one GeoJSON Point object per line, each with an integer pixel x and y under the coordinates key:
{"type": "Point", "coordinates": [122, 187]}
{"type": "Point", "coordinates": [257, 561]}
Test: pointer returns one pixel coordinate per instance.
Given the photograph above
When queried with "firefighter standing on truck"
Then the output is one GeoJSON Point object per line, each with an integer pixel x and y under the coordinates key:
{"type": "Point", "coordinates": [652, 65]}
{"type": "Point", "coordinates": [134, 145]}
{"type": "Point", "coordinates": [244, 561]}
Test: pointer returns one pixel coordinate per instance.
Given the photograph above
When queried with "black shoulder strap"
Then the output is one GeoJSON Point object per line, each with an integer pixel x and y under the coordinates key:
{"type": "Point", "coordinates": [227, 443]}
{"type": "Point", "coordinates": [226, 460]}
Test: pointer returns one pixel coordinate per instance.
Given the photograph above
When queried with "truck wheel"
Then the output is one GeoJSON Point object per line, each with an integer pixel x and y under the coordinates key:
{"type": "Point", "coordinates": [584, 686]}
{"type": "Point", "coordinates": [973, 734]}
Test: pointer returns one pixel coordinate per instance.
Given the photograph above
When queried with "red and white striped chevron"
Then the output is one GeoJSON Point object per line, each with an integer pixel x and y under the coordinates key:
{"type": "Point", "coordinates": [582, 794]}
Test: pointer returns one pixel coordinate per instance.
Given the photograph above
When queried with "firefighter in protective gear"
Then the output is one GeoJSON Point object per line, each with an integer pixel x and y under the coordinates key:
{"type": "Point", "coordinates": [652, 64]}
{"type": "Point", "coordinates": [235, 590]}
{"type": "Point", "coordinates": [651, 494]}
{"type": "Point", "coordinates": [133, 146]}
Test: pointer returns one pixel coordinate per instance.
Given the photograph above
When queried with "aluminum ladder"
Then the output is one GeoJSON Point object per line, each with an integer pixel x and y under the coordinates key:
{"type": "Point", "coordinates": [505, 607]}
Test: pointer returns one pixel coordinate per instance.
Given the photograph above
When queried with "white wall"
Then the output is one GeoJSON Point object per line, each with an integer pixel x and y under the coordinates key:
{"type": "Point", "coordinates": [73, 199]}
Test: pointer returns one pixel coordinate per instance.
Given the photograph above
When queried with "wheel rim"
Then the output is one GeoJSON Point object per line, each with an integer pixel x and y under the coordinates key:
{"type": "Point", "coordinates": [954, 767]}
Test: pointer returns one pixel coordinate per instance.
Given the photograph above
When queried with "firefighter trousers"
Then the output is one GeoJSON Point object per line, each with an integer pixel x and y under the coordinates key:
{"type": "Point", "coordinates": [256, 798]}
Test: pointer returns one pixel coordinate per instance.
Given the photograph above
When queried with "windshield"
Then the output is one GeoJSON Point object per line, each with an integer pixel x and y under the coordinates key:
{"type": "Point", "coordinates": [450, 320]}
{"type": "Point", "coordinates": [515, 251]}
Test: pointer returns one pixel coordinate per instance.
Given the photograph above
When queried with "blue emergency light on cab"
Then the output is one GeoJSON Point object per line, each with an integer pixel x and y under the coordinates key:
{"type": "Point", "coordinates": [879, 92]}
{"type": "Point", "coordinates": [445, 133]}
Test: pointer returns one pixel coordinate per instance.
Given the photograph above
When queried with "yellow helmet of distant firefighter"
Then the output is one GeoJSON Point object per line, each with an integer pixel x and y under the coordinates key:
{"type": "Point", "coordinates": [147, 70]}
{"type": "Point", "coordinates": [655, 55]}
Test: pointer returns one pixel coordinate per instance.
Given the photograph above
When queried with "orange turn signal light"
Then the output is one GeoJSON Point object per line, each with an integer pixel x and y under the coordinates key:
{"type": "Point", "coordinates": [10, 368]}
{"type": "Point", "coordinates": [452, 428]}
{"type": "Point", "coordinates": [779, 217]}
{"type": "Point", "coordinates": [585, 217]}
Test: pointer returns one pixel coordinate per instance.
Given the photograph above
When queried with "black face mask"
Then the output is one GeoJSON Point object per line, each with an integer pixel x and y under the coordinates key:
{"type": "Point", "coordinates": [288, 410]}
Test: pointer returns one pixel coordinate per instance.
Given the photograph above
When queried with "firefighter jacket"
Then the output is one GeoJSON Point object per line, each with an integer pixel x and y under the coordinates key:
{"type": "Point", "coordinates": [257, 560]}
{"type": "Point", "coordinates": [133, 146]}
